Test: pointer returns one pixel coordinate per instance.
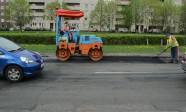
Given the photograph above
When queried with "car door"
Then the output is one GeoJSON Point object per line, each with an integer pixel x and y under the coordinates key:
{"type": "Point", "coordinates": [2, 62]}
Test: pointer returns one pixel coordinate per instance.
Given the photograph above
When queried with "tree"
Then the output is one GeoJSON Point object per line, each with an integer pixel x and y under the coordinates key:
{"type": "Point", "coordinates": [152, 12]}
{"type": "Point", "coordinates": [64, 5]}
{"type": "Point", "coordinates": [167, 15]}
{"type": "Point", "coordinates": [99, 14]}
{"type": "Point", "coordinates": [18, 12]}
{"type": "Point", "coordinates": [135, 5]}
{"type": "Point", "coordinates": [148, 12]}
{"type": "Point", "coordinates": [127, 16]}
{"type": "Point", "coordinates": [137, 12]}
{"type": "Point", "coordinates": [183, 19]}
{"type": "Point", "coordinates": [50, 10]}
{"type": "Point", "coordinates": [141, 10]}
{"type": "Point", "coordinates": [110, 10]}
{"type": "Point", "coordinates": [92, 19]}
{"type": "Point", "coordinates": [104, 14]}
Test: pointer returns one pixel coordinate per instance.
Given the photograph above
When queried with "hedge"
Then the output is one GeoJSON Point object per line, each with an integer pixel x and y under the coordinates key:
{"type": "Point", "coordinates": [108, 38]}
{"type": "Point", "coordinates": [30, 38]}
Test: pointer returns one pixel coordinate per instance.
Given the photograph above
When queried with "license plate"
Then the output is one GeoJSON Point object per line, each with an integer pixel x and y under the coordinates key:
{"type": "Point", "coordinates": [42, 65]}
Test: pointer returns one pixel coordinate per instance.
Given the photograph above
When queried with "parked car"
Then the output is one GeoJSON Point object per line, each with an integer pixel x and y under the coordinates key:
{"type": "Point", "coordinates": [17, 62]}
{"type": "Point", "coordinates": [94, 30]}
{"type": "Point", "coordinates": [123, 30]}
{"type": "Point", "coordinates": [183, 62]}
{"type": "Point", "coordinates": [154, 31]}
{"type": "Point", "coordinates": [112, 31]}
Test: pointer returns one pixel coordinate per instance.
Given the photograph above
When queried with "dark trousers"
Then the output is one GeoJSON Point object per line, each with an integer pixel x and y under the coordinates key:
{"type": "Point", "coordinates": [174, 52]}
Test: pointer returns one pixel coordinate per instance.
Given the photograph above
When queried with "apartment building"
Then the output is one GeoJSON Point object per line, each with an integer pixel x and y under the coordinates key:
{"type": "Point", "coordinates": [179, 2]}
{"type": "Point", "coordinates": [119, 18]}
{"type": "Point", "coordinates": [84, 5]}
{"type": "Point", "coordinates": [3, 22]}
{"type": "Point", "coordinates": [38, 11]}
{"type": "Point", "coordinates": [184, 1]}
{"type": "Point", "coordinates": [38, 21]}
{"type": "Point", "coordinates": [139, 27]}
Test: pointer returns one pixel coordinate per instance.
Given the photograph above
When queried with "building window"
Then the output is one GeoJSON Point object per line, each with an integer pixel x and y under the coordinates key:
{"type": "Point", "coordinates": [34, 24]}
{"type": "Point", "coordinates": [40, 4]}
{"type": "Point", "coordinates": [2, 0]}
{"type": "Point", "coordinates": [7, 20]}
{"type": "Point", "coordinates": [86, 6]}
{"type": "Point", "coordinates": [2, 6]}
{"type": "Point", "coordinates": [37, 3]}
{"type": "Point", "coordinates": [92, 6]}
{"type": "Point", "coordinates": [2, 20]}
{"type": "Point", "coordinates": [2, 13]}
{"type": "Point", "coordinates": [38, 10]}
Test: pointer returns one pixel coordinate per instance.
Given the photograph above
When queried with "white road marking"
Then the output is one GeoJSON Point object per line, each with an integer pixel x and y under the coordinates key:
{"type": "Point", "coordinates": [122, 72]}
{"type": "Point", "coordinates": [137, 72]}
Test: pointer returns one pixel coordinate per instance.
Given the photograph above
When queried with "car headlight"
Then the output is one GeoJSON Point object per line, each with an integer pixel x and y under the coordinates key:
{"type": "Point", "coordinates": [26, 60]}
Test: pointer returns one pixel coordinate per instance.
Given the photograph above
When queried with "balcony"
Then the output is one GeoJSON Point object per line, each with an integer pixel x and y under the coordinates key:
{"type": "Point", "coordinates": [74, 21]}
{"type": "Point", "coordinates": [37, 7]}
{"type": "Point", "coordinates": [124, 2]}
{"type": "Point", "coordinates": [72, 1]}
{"type": "Point", "coordinates": [37, 1]}
{"type": "Point", "coordinates": [37, 14]}
{"type": "Point", "coordinates": [74, 7]}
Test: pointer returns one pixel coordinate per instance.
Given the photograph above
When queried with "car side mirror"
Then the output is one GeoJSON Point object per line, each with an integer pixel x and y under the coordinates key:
{"type": "Point", "coordinates": [1, 53]}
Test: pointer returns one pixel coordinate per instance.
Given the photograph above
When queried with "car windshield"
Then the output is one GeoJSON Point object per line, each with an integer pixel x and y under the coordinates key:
{"type": "Point", "coordinates": [9, 45]}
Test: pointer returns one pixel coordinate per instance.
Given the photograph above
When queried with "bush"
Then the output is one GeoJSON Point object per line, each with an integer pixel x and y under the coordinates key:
{"type": "Point", "coordinates": [138, 39]}
{"type": "Point", "coordinates": [108, 38]}
{"type": "Point", "coordinates": [30, 38]}
{"type": "Point", "coordinates": [37, 29]}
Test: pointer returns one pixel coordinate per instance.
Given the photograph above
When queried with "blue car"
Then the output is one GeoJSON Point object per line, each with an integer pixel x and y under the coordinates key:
{"type": "Point", "coordinates": [17, 62]}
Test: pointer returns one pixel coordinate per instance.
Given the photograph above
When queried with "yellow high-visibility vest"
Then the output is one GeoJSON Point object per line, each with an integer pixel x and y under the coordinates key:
{"type": "Point", "coordinates": [169, 42]}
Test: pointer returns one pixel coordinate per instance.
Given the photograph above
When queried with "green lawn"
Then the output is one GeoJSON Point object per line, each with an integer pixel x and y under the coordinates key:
{"type": "Point", "coordinates": [83, 33]}
{"type": "Point", "coordinates": [109, 48]}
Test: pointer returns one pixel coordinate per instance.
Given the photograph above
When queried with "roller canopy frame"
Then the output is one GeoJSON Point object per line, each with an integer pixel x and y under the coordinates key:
{"type": "Point", "coordinates": [69, 13]}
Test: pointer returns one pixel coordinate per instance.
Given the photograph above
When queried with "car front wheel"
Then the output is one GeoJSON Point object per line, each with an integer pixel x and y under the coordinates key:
{"type": "Point", "coordinates": [14, 73]}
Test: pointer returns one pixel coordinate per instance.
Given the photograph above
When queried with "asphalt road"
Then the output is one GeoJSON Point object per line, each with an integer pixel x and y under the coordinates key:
{"type": "Point", "coordinates": [115, 84]}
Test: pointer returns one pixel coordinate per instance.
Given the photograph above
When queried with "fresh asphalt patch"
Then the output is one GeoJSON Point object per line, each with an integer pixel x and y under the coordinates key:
{"type": "Point", "coordinates": [105, 59]}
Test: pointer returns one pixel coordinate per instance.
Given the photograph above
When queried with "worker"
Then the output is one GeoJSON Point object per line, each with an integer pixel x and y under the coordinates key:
{"type": "Point", "coordinates": [173, 44]}
{"type": "Point", "coordinates": [64, 29]}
